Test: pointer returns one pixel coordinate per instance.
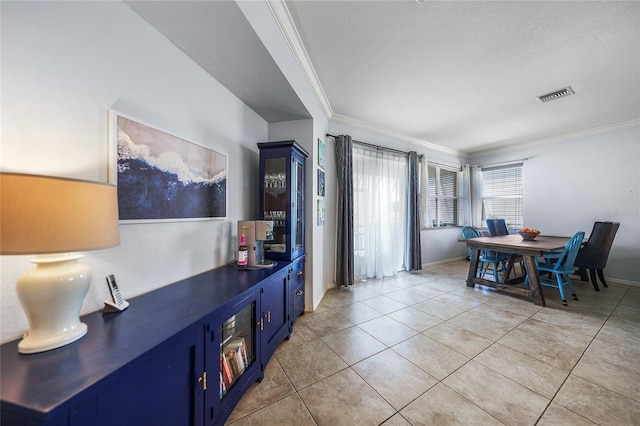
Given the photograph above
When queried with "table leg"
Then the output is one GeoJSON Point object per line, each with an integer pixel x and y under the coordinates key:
{"type": "Point", "coordinates": [473, 267]}
{"type": "Point", "coordinates": [509, 268]}
{"type": "Point", "coordinates": [534, 280]}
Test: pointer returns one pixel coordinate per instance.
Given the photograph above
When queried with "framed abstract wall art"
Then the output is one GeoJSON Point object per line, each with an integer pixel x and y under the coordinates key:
{"type": "Point", "coordinates": [162, 177]}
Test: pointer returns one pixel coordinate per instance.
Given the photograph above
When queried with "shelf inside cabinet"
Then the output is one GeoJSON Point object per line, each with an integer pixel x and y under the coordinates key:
{"type": "Point", "coordinates": [237, 349]}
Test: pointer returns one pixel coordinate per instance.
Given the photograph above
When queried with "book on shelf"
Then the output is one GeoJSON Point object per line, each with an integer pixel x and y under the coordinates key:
{"type": "Point", "coordinates": [238, 344]}
{"type": "Point", "coordinates": [225, 371]}
{"type": "Point", "coordinates": [223, 386]}
{"type": "Point", "coordinates": [233, 361]}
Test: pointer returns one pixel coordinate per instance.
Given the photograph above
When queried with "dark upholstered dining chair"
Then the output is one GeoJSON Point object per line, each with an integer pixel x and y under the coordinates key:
{"type": "Point", "coordinates": [594, 254]}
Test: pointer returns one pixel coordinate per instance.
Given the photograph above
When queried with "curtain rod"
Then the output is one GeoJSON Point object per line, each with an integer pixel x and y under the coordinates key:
{"type": "Point", "coordinates": [377, 147]}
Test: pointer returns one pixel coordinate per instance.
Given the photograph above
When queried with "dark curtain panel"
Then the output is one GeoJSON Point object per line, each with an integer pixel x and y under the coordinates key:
{"type": "Point", "coordinates": [413, 259]}
{"type": "Point", "coordinates": [344, 246]}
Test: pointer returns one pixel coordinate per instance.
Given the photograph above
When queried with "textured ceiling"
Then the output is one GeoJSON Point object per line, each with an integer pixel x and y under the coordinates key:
{"type": "Point", "coordinates": [463, 75]}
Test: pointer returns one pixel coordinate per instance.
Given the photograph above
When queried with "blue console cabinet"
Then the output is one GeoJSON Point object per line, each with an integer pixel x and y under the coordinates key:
{"type": "Point", "coordinates": [159, 361]}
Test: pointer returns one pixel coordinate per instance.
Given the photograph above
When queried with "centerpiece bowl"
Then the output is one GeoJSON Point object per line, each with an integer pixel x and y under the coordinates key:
{"type": "Point", "coordinates": [529, 234]}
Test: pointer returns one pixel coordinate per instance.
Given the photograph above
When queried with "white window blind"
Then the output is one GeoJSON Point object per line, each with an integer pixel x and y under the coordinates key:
{"type": "Point", "coordinates": [502, 194]}
{"type": "Point", "coordinates": [444, 190]}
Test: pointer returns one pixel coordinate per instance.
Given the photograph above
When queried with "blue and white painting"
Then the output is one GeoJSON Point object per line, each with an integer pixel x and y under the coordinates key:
{"type": "Point", "coordinates": [163, 177]}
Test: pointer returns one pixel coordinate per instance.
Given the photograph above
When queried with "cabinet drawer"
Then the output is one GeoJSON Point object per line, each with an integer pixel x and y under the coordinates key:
{"type": "Point", "coordinates": [297, 296]}
{"type": "Point", "coordinates": [297, 273]}
{"type": "Point", "coordinates": [297, 289]}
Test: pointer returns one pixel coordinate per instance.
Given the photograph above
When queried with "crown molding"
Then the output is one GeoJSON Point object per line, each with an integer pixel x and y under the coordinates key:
{"type": "Point", "coordinates": [545, 141]}
{"type": "Point", "coordinates": [347, 121]}
{"type": "Point", "coordinates": [285, 22]}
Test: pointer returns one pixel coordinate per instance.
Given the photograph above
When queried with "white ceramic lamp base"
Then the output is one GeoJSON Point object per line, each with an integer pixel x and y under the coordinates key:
{"type": "Point", "coordinates": [51, 296]}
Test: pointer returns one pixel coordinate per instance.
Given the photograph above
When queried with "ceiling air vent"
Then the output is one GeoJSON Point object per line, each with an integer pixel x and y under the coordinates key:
{"type": "Point", "coordinates": [555, 95]}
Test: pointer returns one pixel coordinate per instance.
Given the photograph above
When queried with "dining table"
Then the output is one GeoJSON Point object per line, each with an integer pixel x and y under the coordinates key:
{"type": "Point", "coordinates": [514, 245]}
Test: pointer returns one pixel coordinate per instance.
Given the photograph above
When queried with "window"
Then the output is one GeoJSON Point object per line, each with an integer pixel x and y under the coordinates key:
{"type": "Point", "coordinates": [444, 194]}
{"type": "Point", "coordinates": [502, 194]}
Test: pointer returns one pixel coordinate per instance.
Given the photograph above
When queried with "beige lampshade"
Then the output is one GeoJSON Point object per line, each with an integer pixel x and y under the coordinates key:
{"type": "Point", "coordinates": [41, 214]}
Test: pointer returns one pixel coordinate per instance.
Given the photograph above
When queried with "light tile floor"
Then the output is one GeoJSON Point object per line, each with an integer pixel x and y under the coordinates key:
{"type": "Point", "coordinates": [424, 349]}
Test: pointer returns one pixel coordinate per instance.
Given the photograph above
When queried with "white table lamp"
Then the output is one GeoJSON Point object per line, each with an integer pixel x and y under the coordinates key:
{"type": "Point", "coordinates": [54, 218]}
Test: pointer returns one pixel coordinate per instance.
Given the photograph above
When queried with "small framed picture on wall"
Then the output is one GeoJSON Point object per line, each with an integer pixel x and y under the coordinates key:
{"type": "Point", "coordinates": [321, 212]}
{"type": "Point", "coordinates": [320, 153]}
{"type": "Point", "coordinates": [321, 183]}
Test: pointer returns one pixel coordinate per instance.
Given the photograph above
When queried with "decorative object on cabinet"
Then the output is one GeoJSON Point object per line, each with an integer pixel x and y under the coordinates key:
{"type": "Point", "coordinates": [53, 218]}
{"type": "Point", "coordinates": [257, 233]}
{"type": "Point", "coordinates": [117, 303]}
{"type": "Point", "coordinates": [282, 197]}
{"type": "Point", "coordinates": [163, 177]}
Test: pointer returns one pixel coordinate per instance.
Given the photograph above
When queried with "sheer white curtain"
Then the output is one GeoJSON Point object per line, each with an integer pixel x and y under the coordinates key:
{"type": "Point", "coordinates": [476, 196]}
{"type": "Point", "coordinates": [379, 212]}
{"type": "Point", "coordinates": [426, 221]}
{"type": "Point", "coordinates": [466, 196]}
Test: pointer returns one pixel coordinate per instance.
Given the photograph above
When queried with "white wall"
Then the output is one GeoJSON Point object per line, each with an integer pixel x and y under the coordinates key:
{"type": "Point", "coordinates": [320, 250]}
{"type": "Point", "coordinates": [325, 240]}
{"type": "Point", "coordinates": [302, 132]}
{"type": "Point", "coordinates": [64, 65]}
{"type": "Point", "coordinates": [572, 182]}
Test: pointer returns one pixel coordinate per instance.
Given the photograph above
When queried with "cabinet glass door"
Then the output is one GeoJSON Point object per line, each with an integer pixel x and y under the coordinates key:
{"type": "Point", "coordinates": [298, 191]}
{"type": "Point", "coordinates": [275, 201]}
{"type": "Point", "coordinates": [237, 348]}
{"type": "Point", "coordinates": [282, 175]}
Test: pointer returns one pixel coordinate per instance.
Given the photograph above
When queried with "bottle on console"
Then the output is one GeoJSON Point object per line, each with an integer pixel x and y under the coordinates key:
{"type": "Point", "coordinates": [243, 252]}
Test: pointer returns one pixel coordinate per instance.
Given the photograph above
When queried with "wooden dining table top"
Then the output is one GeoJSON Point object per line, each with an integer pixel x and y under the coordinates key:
{"type": "Point", "coordinates": [515, 243]}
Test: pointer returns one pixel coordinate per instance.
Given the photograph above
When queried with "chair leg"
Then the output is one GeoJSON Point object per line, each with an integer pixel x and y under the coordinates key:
{"type": "Point", "coordinates": [573, 290]}
{"type": "Point", "coordinates": [583, 274]}
{"type": "Point", "coordinates": [601, 275]}
{"type": "Point", "coordinates": [594, 281]}
{"type": "Point", "coordinates": [482, 269]}
{"type": "Point", "coordinates": [560, 287]}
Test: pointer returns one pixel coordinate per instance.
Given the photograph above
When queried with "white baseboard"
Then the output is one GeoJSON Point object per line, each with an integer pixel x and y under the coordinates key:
{"type": "Point", "coordinates": [440, 262]}
{"type": "Point", "coordinates": [619, 281]}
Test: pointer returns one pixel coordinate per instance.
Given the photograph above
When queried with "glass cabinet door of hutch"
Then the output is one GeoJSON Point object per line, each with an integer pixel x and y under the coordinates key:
{"type": "Point", "coordinates": [275, 200]}
{"type": "Point", "coordinates": [282, 171]}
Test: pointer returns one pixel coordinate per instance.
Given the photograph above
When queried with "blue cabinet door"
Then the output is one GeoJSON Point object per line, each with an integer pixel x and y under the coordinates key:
{"type": "Point", "coordinates": [232, 357]}
{"type": "Point", "coordinates": [159, 389]}
{"type": "Point", "coordinates": [275, 313]}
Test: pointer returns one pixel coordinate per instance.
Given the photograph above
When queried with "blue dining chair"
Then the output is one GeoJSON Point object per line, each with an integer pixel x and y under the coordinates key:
{"type": "Point", "coordinates": [560, 264]}
{"type": "Point", "coordinates": [497, 227]}
{"type": "Point", "coordinates": [488, 259]}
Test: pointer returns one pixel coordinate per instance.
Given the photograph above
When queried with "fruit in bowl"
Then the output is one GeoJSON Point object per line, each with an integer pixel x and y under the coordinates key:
{"type": "Point", "coordinates": [529, 234]}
